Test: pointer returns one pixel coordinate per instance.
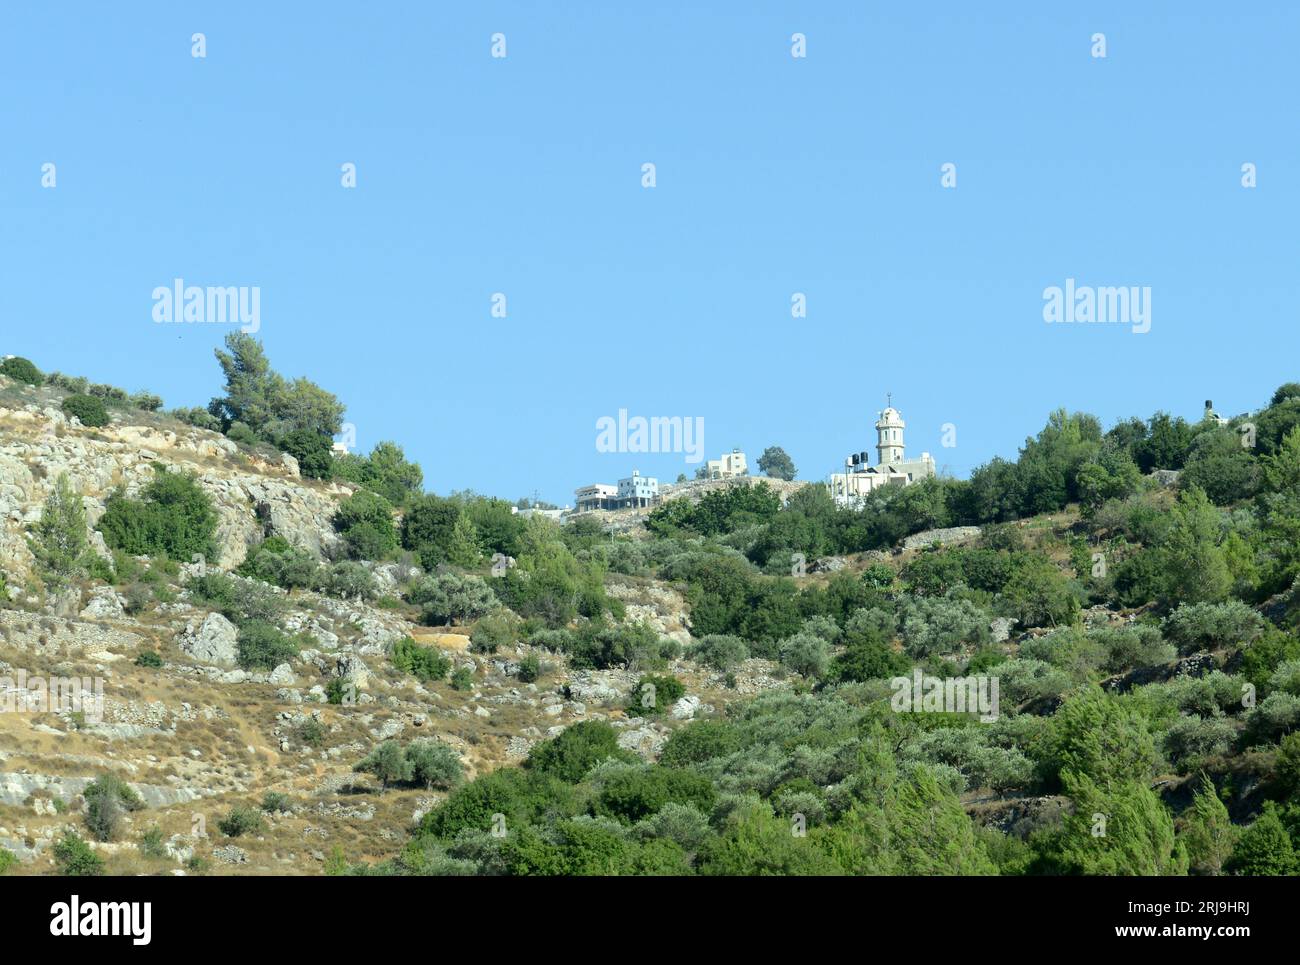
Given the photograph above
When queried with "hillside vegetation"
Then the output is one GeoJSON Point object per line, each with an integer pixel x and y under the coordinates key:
{"type": "Point", "coordinates": [314, 649]}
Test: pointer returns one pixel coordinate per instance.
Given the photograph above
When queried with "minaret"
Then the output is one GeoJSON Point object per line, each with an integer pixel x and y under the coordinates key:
{"type": "Point", "coordinates": [889, 435]}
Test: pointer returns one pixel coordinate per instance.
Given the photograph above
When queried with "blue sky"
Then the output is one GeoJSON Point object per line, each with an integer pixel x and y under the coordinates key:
{"type": "Point", "coordinates": [775, 175]}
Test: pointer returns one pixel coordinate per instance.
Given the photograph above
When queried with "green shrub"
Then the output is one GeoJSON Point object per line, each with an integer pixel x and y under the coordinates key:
{"type": "Point", "coordinates": [86, 408]}
{"type": "Point", "coordinates": [1275, 715]}
{"type": "Point", "coordinates": [7, 860]}
{"type": "Point", "coordinates": [720, 651]}
{"type": "Point", "coordinates": [386, 472]}
{"type": "Point", "coordinates": [576, 750]}
{"type": "Point", "coordinates": [530, 668]}
{"type": "Point", "coordinates": [634, 794]}
{"type": "Point", "coordinates": [494, 631]}
{"type": "Point", "coordinates": [200, 418]}
{"type": "Point", "coordinates": [942, 625]}
{"type": "Point", "coordinates": [448, 598]}
{"type": "Point", "coordinates": [149, 659]}
{"type": "Point", "coordinates": [1038, 595]}
{"type": "Point", "coordinates": [240, 821]}
{"type": "Point", "coordinates": [275, 561]}
{"type": "Point", "coordinates": [152, 844]}
{"type": "Point", "coordinates": [136, 598]}
{"type": "Point", "coordinates": [654, 694]}
{"type": "Point", "coordinates": [365, 520]}
{"type": "Point", "coordinates": [101, 390]}
{"type": "Point", "coordinates": [21, 370]}
{"type": "Point", "coordinates": [350, 580]}
{"type": "Point", "coordinates": [107, 798]}
{"type": "Point", "coordinates": [1213, 626]}
{"type": "Point", "coordinates": [174, 517]}
{"type": "Point", "coordinates": [426, 663]}
{"type": "Point", "coordinates": [700, 741]}
{"type": "Point", "coordinates": [313, 451]}
{"type": "Point", "coordinates": [1264, 848]}
{"type": "Point", "coordinates": [462, 678]}
{"type": "Point", "coordinates": [239, 432]}
{"type": "Point", "coordinates": [805, 654]}
{"type": "Point", "coordinates": [274, 801]}
{"type": "Point", "coordinates": [263, 646]}
{"type": "Point", "coordinates": [240, 601]}
{"type": "Point", "coordinates": [311, 731]}
{"type": "Point", "coordinates": [521, 795]}
{"type": "Point", "coordinates": [598, 645]}
{"type": "Point", "coordinates": [75, 858]}
{"type": "Point", "coordinates": [339, 690]}
{"type": "Point", "coordinates": [146, 401]}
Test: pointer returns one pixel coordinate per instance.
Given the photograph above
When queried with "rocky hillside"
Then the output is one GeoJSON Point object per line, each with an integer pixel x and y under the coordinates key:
{"type": "Point", "coordinates": [197, 736]}
{"type": "Point", "coordinates": [253, 495]}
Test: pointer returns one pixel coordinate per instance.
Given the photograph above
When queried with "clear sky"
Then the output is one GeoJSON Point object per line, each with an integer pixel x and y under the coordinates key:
{"type": "Point", "coordinates": [775, 175]}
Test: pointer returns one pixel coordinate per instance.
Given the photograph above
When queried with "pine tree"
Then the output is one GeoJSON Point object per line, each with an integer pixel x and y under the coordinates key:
{"type": "Point", "coordinates": [1123, 829]}
{"type": "Point", "coordinates": [463, 548]}
{"type": "Point", "coordinates": [58, 540]}
{"type": "Point", "coordinates": [1206, 831]}
{"type": "Point", "coordinates": [1265, 847]}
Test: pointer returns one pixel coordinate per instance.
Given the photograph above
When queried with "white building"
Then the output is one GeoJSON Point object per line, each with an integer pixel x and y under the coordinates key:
{"type": "Point", "coordinates": [595, 496]}
{"type": "Point", "coordinates": [638, 490]}
{"type": "Point", "coordinates": [892, 467]}
{"type": "Point", "coordinates": [635, 491]}
{"type": "Point", "coordinates": [731, 464]}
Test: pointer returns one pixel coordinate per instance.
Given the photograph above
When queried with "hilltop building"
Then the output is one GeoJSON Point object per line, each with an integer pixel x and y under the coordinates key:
{"type": "Point", "coordinates": [892, 467]}
{"type": "Point", "coordinates": [731, 464]}
{"type": "Point", "coordinates": [638, 490]}
{"type": "Point", "coordinates": [634, 491]}
{"type": "Point", "coordinates": [1213, 416]}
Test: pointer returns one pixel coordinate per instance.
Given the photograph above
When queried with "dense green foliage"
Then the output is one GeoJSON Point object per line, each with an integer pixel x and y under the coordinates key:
{"type": "Point", "coordinates": [1141, 628]}
{"type": "Point", "coordinates": [75, 858]}
{"type": "Point", "coordinates": [426, 663]}
{"type": "Point", "coordinates": [21, 370]}
{"type": "Point", "coordinates": [263, 646]}
{"type": "Point", "coordinates": [88, 409]}
{"type": "Point", "coordinates": [173, 517]}
{"type": "Point", "coordinates": [1142, 751]}
{"type": "Point", "coordinates": [269, 405]}
{"type": "Point", "coordinates": [776, 462]}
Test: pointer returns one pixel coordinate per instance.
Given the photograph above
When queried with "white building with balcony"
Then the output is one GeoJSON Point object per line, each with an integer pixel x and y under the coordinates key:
{"type": "Point", "coordinates": [638, 490]}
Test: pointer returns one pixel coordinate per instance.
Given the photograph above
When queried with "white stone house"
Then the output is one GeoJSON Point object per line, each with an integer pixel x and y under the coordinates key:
{"type": "Point", "coordinates": [730, 465]}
